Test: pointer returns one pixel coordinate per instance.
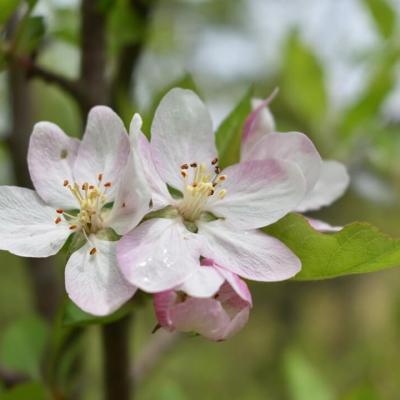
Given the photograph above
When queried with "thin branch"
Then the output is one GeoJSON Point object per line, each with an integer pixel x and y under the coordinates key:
{"type": "Point", "coordinates": [116, 360]}
{"type": "Point", "coordinates": [162, 343]}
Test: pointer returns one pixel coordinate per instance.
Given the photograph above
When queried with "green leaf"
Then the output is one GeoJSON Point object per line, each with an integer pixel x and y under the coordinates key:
{"type": "Point", "coordinates": [7, 8]}
{"type": "Point", "coordinates": [384, 16]}
{"type": "Point", "coordinates": [23, 344]}
{"type": "Point", "coordinates": [368, 105]}
{"type": "Point", "coordinates": [31, 34]}
{"type": "Point", "coordinates": [229, 134]}
{"type": "Point", "coordinates": [364, 392]}
{"type": "Point", "coordinates": [304, 381]}
{"type": "Point", "coordinates": [357, 248]}
{"type": "Point", "coordinates": [31, 391]}
{"type": "Point", "coordinates": [73, 316]}
{"type": "Point", "coordinates": [186, 82]}
{"type": "Point", "coordinates": [303, 82]}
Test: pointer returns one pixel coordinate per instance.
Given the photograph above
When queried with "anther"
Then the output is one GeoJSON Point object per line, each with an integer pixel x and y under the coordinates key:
{"type": "Point", "coordinates": [184, 173]}
{"type": "Point", "coordinates": [222, 178]}
{"type": "Point", "coordinates": [222, 193]}
{"type": "Point", "coordinates": [107, 185]}
{"type": "Point", "coordinates": [215, 161]}
{"type": "Point", "coordinates": [72, 227]}
{"type": "Point", "coordinates": [60, 211]}
{"type": "Point", "coordinates": [193, 165]}
{"type": "Point", "coordinates": [93, 251]}
{"type": "Point", "coordinates": [184, 166]}
{"type": "Point", "coordinates": [211, 192]}
{"type": "Point", "coordinates": [57, 220]}
{"type": "Point", "coordinates": [85, 186]}
{"type": "Point", "coordinates": [66, 183]}
{"type": "Point", "coordinates": [91, 187]}
{"type": "Point", "coordinates": [100, 177]}
{"type": "Point", "coordinates": [217, 170]}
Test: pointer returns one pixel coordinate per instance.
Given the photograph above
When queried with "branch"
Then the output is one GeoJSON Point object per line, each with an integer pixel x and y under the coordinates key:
{"type": "Point", "coordinates": [93, 64]}
{"type": "Point", "coordinates": [161, 344]}
{"type": "Point", "coordinates": [116, 360]}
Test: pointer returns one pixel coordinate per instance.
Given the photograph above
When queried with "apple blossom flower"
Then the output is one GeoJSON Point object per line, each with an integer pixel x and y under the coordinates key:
{"type": "Point", "coordinates": [211, 213]}
{"type": "Point", "coordinates": [216, 318]}
{"type": "Point", "coordinates": [324, 185]}
{"type": "Point", "coordinates": [80, 189]}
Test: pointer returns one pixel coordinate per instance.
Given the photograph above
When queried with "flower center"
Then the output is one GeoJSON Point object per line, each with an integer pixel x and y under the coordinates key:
{"type": "Point", "coordinates": [204, 183]}
{"type": "Point", "coordinates": [91, 199]}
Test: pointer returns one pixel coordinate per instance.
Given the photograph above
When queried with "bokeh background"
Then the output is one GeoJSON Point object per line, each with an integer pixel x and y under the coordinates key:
{"type": "Point", "coordinates": [337, 64]}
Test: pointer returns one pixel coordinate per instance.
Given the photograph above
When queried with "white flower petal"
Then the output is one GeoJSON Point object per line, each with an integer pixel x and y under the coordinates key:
{"type": "Point", "coordinates": [323, 226]}
{"type": "Point", "coordinates": [27, 224]}
{"type": "Point", "coordinates": [331, 185]}
{"type": "Point", "coordinates": [181, 133]}
{"type": "Point", "coordinates": [51, 157]}
{"type": "Point", "coordinates": [159, 192]}
{"type": "Point", "coordinates": [260, 122]}
{"type": "Point", "coordinates": [258, 193]}
{"type": "Point", "coordinates": [104, 149]}
{"type": "Point", "coordinates": [291, 146]}
{"type": "Point", "coordinates": [132, 199]}
{"type": "Point", "coordinates": [94, 282]}
{"type": "Point", "coordinates": [251, 254]}
{"type": "Point", "coordinates": [158, 255]}
{"type": "Point", "coordinates": [204, 282]}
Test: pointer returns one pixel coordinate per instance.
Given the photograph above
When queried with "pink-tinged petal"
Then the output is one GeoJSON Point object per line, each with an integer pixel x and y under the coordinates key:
{"type": "Point", "coordinates": [291, 146]}
{"type": "Point", "coordinates": [204, 282]}
{"type": "Point", "coordinates": [323, 226]}
{"type": "Point", "coordinates": [94, 282]}
{"type": "Point", "coordinates": [51, 157]}
{"type": "Point", "coordinates": [237, 284]}
{"type": "Point", "coordinates": [260, 122]}
{"type": "Point", "coordinates": [258, 193]}
{"type": "Point", "coordinates": [159, 192]}
{"type": "Point", "coordinates": [331, 185]}
{"type": "Point", "coordinates": [163, 302]}
{"type": "Point", "coordinates": [133, 197]}
{"type": "Point", "coordinates": [104, 149]}
{"type": "Point", "coordinates": [250, 254]}
{"type": "Point", "coordinates": [27, 224]}
{"type": "Point", "coordinates": [181, 133]}
{"type": "Point", "coordinates": [159, 254]}
{"type": "Point", "coordinates": [204, 316]}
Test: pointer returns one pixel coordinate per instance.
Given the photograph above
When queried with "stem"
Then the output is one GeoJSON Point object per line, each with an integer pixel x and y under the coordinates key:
{"type": "Point", "coordinates": [117, 360]}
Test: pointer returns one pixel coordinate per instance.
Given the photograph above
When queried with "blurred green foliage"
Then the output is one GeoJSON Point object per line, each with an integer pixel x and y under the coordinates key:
{"type": "Point", "coordinates": [316, 340]}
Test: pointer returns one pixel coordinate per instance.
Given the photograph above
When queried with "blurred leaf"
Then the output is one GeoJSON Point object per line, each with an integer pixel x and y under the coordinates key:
{"type": "Point", "coordinates": [368, 105]}
{"type": "Point", "coordinates": [23, 344]}
{"type": "Point", "coordinates": [67, 25]}
{"type": "Point", "coordinates": [384, 16]}
{"type": "Point", "coordinates": [303, 85]}
{"type": "Point", "coordinates": [365, 392]}
{"type": "Point", "coordinates": [73, 316]}
{"type": "Point", "coordinates": [357, 248]}
{"type": "Point", "coordinates": [229, 133]}
{"type": "Point", "coordinates": [31, 34]}
{"type": "Point", "coordinates": [26, 391]}
{"type": "Point", "coordinates": [124, 25]}
{"type": "Point", "coordinates": [304, 382]}
{"type": "Point", "coordinates": [7, 8]}
{"type": "Point", "coordinates": [186, 82]}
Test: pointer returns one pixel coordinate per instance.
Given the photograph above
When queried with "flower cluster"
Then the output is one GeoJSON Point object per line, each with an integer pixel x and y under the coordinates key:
{"type": "Point", "coordinates": [162, 216]}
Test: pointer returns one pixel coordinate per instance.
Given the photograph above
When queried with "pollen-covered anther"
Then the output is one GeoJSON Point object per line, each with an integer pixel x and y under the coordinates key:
{"type": "Point", "coordinates": [100, 177]}
{"type": "Point", "coordinates": [215, 161]}
{"type": "Point", "coordinates": [57, 220]}
{"type": "Point", "coordinates": [221, 178]}
{"type": "Point", "coordinates": [185, 166]}
{"type": "Point", "coordinates": [66, 183]}
{"type": "Point", "coordinates": [108, 185]}
{"type": "Point", "coordinates": [60, 211]}
{"type": "Point", "coordinates": [184, 173]}
{"type": "Point", "coordinates": [93, 251]}
{"type": "Point", "coordinates": [193, 165]}
{"type": "Point", "coordinates": [73, 227]}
